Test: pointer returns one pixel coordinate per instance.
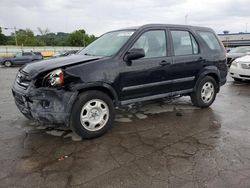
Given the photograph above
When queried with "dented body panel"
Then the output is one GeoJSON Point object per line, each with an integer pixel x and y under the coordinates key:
{"type": "Point", "coordinates": [45, 104]}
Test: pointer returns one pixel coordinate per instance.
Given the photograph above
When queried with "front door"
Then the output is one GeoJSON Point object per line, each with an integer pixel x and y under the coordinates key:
{"type": "Point", "coordinates": [148, 76]}
{"type": "Point", "coordinates": [21, 58]}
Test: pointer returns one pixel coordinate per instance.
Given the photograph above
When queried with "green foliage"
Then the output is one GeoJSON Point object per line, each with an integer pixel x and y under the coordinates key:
{"type": "Point", "coordinates": [77, 38]}
{"type": "Point", "coordinates": [25, 37]}
{"type": "Point", "coordinates": [3, 38]}
{"type": "Point", "coordinates": [45, 38]}
{"type": "Point", "coordinates": [80, 38]}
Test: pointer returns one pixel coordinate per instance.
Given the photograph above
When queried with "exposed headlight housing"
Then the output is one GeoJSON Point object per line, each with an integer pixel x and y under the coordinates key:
{"type": "Point", "coordinates": [54, 79]}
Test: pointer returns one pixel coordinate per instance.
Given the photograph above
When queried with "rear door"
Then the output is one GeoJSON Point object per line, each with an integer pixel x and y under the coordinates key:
{"type": "Point", "coordinates": [187, 59]}
{"type": "Point", "coordinates": [22, 58]}
{"type": "Point", "coordinates": [148, 76]}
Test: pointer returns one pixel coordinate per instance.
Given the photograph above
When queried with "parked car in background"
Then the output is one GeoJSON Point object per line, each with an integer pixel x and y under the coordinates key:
{"type": "Point", "coordinates": [38, 53]}
{"type": "Point", "coordinates": [228, 49]}
{"type": "Point", "coordinates": [240, 68]}
{"type": "Point", "coordinates": [20, 58]}
{"type": "Point", "coordinates": [237, 52]}
{"type": "Point", "coordinates": [119, 68]}
{"type": "Point", "coordinates": [65, 53]}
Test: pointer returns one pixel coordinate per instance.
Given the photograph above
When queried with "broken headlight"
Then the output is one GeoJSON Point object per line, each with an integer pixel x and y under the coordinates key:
{"type": "Point", "coordinates": [54, 79]}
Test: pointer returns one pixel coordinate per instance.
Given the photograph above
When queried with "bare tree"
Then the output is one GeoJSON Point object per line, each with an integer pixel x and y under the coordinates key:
{"type": "Point", "coordinates": [43, 33]}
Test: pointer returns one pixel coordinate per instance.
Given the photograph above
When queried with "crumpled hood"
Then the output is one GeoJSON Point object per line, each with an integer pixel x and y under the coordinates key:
{"type": "Point", "coordinates": [35, 68]}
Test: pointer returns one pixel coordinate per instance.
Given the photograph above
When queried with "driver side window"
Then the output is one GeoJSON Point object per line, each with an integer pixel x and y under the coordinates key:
{"type": "Point", "coordinates": [153, 43]}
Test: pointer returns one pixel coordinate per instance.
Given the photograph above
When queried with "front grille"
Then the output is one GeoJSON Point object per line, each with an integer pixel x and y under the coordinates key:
{"type": "Point", "coordinates": [19, 98]}
{"type": "Point", "coordinates": [22, 79]}
{"type": "Point", "coordinates": [244, 76]}
{"type": "Point", "coordinates": [245, 65]}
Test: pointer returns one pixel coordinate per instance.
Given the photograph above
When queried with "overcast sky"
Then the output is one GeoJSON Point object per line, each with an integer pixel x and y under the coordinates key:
{"type": "Point", "coordinates": [99, 16]}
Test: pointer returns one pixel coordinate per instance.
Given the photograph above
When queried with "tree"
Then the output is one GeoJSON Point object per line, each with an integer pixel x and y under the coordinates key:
{"type": "Point", "coordinates": [61, 39]}
{"type": "Point", "coordinates": [25, 37]}
{"type": "Point", "coordinates": [77, 38]}
{"type": "Point", "coordinates": [80, 38]}
{"type": "Point", "coordinates": [90, 39]}
{"type": "Point", "coordinates": [3, 38]}
{"type": "Point", "coordinates": [43, 38]}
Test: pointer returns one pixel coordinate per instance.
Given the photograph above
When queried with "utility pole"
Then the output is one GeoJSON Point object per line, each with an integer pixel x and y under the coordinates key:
{"type": "Point", "coordinates": [83, 38]}
{"type": "Point", "coordinates": [15, 35]}
{"type": "Point", "coordinates": [186, 17]}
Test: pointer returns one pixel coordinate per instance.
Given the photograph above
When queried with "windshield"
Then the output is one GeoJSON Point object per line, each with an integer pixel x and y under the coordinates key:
{"type": "Point", "coordinates": [240, 50]}
{"type": "Point", "coordinates": [108, 44]}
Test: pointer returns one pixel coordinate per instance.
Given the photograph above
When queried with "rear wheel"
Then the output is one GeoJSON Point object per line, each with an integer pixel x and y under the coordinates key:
{"type": "Point", "coordinates": [92, 114]}
{"type": "Point", "coordinates": [7, 63]}
{"type": "Point", "coordinates": [205, 93]}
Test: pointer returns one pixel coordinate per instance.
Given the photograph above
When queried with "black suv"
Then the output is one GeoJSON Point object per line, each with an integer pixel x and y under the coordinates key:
{"type": "Point", "coordinates": [122, 67]}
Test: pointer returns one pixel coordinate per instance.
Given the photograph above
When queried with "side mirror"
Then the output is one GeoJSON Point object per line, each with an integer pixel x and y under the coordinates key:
{"type": "Point", "coordinates": [134, 53]}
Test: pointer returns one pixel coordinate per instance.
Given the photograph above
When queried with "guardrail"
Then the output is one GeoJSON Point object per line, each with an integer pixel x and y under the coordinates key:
{"type": "Point", "coordinates": [46, 51]}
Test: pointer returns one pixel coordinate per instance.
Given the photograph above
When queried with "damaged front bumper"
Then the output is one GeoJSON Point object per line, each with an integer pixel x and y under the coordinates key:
{"type": "Point", "coordinates": [47, 105]}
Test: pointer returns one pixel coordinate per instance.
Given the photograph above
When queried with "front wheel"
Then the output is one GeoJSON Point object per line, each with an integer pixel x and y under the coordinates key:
{"type": "Point", "coordinates": [205, 92]}
{"type": "Point", "coordinates": [7, 63]}
{"type": "Point", "coordinates": [92, 114]}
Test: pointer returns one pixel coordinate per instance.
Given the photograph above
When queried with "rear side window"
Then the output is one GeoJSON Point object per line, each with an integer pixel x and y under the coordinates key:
{"type": "Point", "coordinates": [27, 54]}
{"type": "Point", "coordinates": [37, 53]}
{"type": "Point", "coordinates": [210, 39]}
{"type": "Point", "coordinates": [184, 43]}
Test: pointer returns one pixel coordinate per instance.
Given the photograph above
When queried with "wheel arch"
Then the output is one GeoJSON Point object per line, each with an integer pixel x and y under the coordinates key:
{"type": "Point", "coordinates": [7, 60]}
{"type": "Point", "coordinates": [209, 71]}
{"type": "Point", "coordinates": [103, 87]}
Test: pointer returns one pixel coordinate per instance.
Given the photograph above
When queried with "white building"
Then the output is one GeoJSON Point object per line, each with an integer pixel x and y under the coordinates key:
{"type": "Point", "coordinates": [235, 39]}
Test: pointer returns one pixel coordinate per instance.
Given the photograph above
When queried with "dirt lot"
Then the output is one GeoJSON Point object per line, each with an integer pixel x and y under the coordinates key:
{"type": "Point", "coordinates": [157, 144]}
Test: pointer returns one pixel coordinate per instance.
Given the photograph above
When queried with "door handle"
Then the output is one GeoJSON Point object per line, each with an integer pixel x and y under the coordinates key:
{"type": "Point", "coordinates": [164, 63]}
{"type": "Point", "coordinates": [201, 59]}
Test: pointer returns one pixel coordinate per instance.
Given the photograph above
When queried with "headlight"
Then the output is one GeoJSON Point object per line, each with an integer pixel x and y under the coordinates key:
{"type": "Point", "coordinates": [54, 79]}
{"type": "Point", "coordinates": [234, 63]}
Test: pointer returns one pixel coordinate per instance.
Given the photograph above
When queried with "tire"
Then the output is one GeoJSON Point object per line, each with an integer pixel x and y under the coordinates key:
{"type": "Point", "coordinates": [237, 79]}
{"type": "Point", "coordinates": [92, 114]}
{"type": "Point", "coordinates": [205, 92]}
{"type": "Point", "coordinates": [7, 63]}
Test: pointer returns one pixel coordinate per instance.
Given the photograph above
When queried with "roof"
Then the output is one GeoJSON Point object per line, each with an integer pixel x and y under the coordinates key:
{"type": "Point", "coordinates": [164, 25]}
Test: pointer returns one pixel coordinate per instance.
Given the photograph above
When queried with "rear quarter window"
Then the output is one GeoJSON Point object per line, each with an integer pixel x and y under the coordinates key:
{"type": "Point", "coordinates": [210, 39]}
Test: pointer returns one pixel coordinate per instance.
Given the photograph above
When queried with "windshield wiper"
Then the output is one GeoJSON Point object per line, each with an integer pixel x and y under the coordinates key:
{"type": "Point", "coordinates": [88, 54]}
